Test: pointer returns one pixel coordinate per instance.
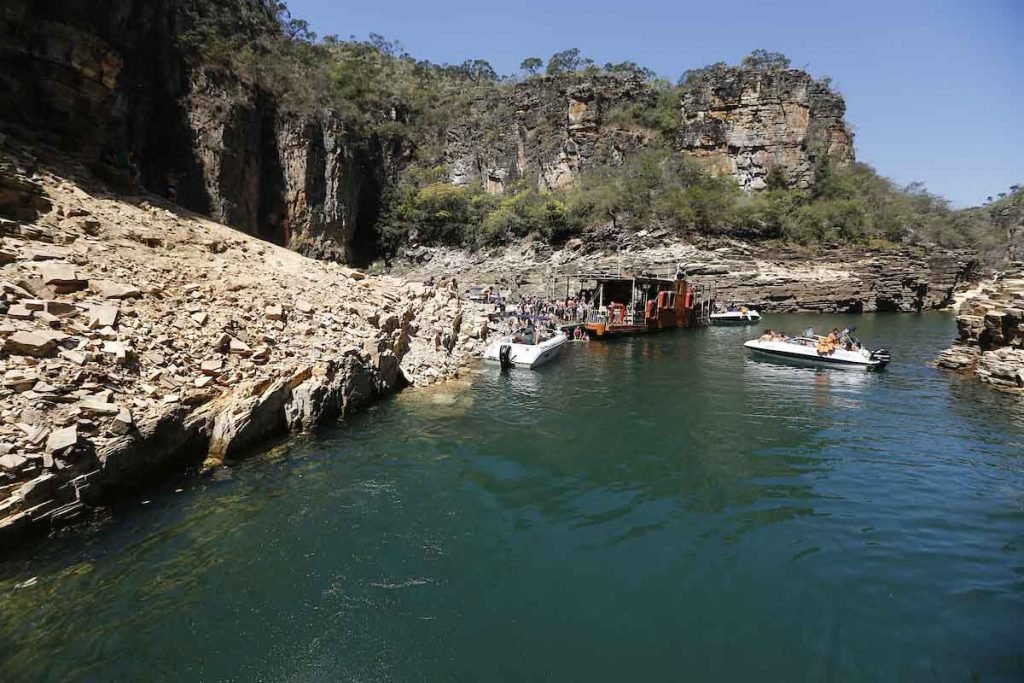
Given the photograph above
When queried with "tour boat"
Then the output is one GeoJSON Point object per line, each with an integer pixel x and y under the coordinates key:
{"type": "Point", "coordinates": [812, 349]}
{"type": "Point", "coordinates": [511, 351]}
{"type": "Point", "coordinates": [639, 305]}
{"type": "Point", "coordinates": [738, 317]}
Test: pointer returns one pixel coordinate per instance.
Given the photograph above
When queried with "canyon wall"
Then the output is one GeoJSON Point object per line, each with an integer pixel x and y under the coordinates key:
{"type": "Point", "coordinates": [110, 82]}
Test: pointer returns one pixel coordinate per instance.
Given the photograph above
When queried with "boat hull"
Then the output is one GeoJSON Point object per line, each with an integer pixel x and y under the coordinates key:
{"type": "Point", "coordinates": [526, 355]}
{"type": "Point", "coordinates": [841, 359]}
{"type": "Point", "coordinates": [735, 320]}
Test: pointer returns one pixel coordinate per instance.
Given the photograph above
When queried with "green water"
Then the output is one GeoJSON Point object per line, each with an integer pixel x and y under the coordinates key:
{"type": "Point", "coordinates": [662, 508]}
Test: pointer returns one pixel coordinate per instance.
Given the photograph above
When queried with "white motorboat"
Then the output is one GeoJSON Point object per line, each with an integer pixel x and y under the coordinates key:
{"type": "Point", "coordinates": [743, 316]}
{"type": "Point", "coordinates": [514, 351]}
{"type": "Point", "coordinates": [817, 350]}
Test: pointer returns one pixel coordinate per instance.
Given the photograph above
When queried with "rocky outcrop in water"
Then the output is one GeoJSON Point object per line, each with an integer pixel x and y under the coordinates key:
{"type": "Point", "coordinates": [990, 342]}
{"type": "Point", "coordinates": [138, 339]}
{"type": "Point", "coordinates": [846, 281]}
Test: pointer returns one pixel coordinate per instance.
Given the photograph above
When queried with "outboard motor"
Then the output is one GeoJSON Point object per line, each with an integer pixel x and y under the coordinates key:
{"type": "Point", "coordinates": [505, 356]}
{"type": "Point", "coordinates": [882, 356]}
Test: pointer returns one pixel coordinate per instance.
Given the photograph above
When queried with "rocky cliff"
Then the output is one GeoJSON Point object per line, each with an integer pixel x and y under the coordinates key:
{"type": "Point", "coordinates": [734, 121]}
{"type": "Point", "coordinates": [990, 341]}
{"type": "Point", "coordinates": [743, 123]}
{"type": "Point", "coordinates": [544, 131]}
{"type": "Point", "coordinates": [111, 82]}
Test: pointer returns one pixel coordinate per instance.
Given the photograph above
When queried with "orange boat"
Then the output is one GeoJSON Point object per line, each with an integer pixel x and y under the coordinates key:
{"type": "Point", "coordinates": [637, 305]}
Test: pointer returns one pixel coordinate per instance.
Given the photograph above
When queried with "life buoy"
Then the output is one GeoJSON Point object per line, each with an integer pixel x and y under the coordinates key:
{"type": "Point", "coordinates": [689, 299]}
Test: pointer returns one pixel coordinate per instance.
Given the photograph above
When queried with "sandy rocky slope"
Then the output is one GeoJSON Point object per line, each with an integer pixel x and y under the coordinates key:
{"type": "Point", "coordinates": [138, 340]}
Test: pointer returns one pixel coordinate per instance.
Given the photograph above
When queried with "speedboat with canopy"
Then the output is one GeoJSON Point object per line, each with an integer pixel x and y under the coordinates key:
{"type": "Point", "coordinates": [845, 352]}
{"type": "Point", "coordinates": [526, 349]}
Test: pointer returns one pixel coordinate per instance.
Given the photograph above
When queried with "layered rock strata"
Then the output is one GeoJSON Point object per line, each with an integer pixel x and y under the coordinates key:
{"type": "Point", "coordinates": [744, 123]}
{"type": "Point", "coordinates": [844, 280]}
{"type": "Point", "coordinates": [990, 339]}
{"type": "Point", "coordinates": [137, 339]}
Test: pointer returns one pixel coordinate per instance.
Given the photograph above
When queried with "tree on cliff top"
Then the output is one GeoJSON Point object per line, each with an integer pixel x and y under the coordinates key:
{"type": "Point", "coordinates": [531, 65]}
{"type": "Point", "coordinates": [763, 60]}
{"type": "Point", "coordinates": [568, 62]}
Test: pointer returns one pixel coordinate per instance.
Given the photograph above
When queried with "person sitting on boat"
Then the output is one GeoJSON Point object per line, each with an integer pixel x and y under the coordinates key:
{"type": "Point", "coordinates": [779, 336]}
{"type": "Point", "coordinates": [530, 335]}
{"type": "Point", "coordinates": [827, 345]}
{"type": "Point", "coordinates": [769, 335]}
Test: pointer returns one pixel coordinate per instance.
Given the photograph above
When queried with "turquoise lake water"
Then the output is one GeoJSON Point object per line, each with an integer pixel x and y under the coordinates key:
{"type": "Point", "coordinates": [661, 508]}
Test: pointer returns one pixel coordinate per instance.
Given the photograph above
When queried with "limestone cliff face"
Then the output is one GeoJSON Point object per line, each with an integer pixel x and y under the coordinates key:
{"type": "Point", "coordinates": [742, 123]}
{"type": "Point", "coordinates": [108, 81]}
{"type": "Point", "coordinates": [305, 182]}
{"type": "Point", "coordinates": [545, 130]}
{"type": "Point", "coordinates": [734, 121]}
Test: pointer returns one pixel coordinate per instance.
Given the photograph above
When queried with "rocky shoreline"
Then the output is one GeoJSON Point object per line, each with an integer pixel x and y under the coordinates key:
{"type": "Point", "coordinates": [138, 340]}
{"type": "Point", "coordinates": [990, 325]}
{"type": "Point", "coordinates": [781, 279]}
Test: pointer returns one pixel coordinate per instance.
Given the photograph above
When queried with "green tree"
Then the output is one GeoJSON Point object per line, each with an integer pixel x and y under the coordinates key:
{"type": "Point", "coordinates": [531, 65]}
{"type": "Point", "coordinates": [567, 62]}
{"type": "Point", "coordinates": [764, 60]}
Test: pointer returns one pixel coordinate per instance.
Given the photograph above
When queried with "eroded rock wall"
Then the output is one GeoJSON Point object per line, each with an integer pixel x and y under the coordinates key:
{"type": "Point", "coordinates": [137, 340]}
{"type": "Point", "coordinates": [545, 130]}
{"type": "Point", "coordinates": [743, 123]}
{"type": "Point", "coordinates": [990, 334]}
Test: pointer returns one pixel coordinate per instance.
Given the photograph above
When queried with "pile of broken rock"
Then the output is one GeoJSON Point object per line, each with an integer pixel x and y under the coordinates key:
{"type": "Point", "coordinates": [136, 339]}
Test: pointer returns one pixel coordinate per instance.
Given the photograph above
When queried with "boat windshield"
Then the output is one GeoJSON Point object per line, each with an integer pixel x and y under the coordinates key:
{"type": "Point", "coordinates": [803, 341]}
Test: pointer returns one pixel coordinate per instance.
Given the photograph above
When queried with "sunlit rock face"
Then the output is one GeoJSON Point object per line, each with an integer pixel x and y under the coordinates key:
{"type": "Point", "coordinates": [743, 123]}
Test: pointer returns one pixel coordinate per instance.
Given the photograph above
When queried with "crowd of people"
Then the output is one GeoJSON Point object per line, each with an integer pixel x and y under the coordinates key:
{"type": "Point", "coordinates": [533, 319]}
{"type": "Point", "coordinates": [571, 310]}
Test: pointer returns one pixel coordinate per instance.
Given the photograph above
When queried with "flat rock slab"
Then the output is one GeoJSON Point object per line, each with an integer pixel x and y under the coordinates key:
{"type": "Point", "coordinates": [103, 316]}
{"type": "Point", "coordinates": [113, 290]}
{"type": "Point", "coordinates": [62, 440]}
{"type": "Point", "coordinates": [30, 344]}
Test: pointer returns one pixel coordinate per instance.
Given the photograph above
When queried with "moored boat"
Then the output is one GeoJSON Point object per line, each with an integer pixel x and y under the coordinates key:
{"type": "Point", "coordinates": [741, 316]}
{"type": "Point", "coordinates": [518, 351]}
{"type": "Point", "coordinates": [639, 305]}
{"type": "Point", "coordinates": [821, 351]}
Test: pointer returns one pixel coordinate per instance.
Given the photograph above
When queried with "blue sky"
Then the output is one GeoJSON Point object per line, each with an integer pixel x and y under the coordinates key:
{"type": "Point", "coordinates": [934, 89]}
